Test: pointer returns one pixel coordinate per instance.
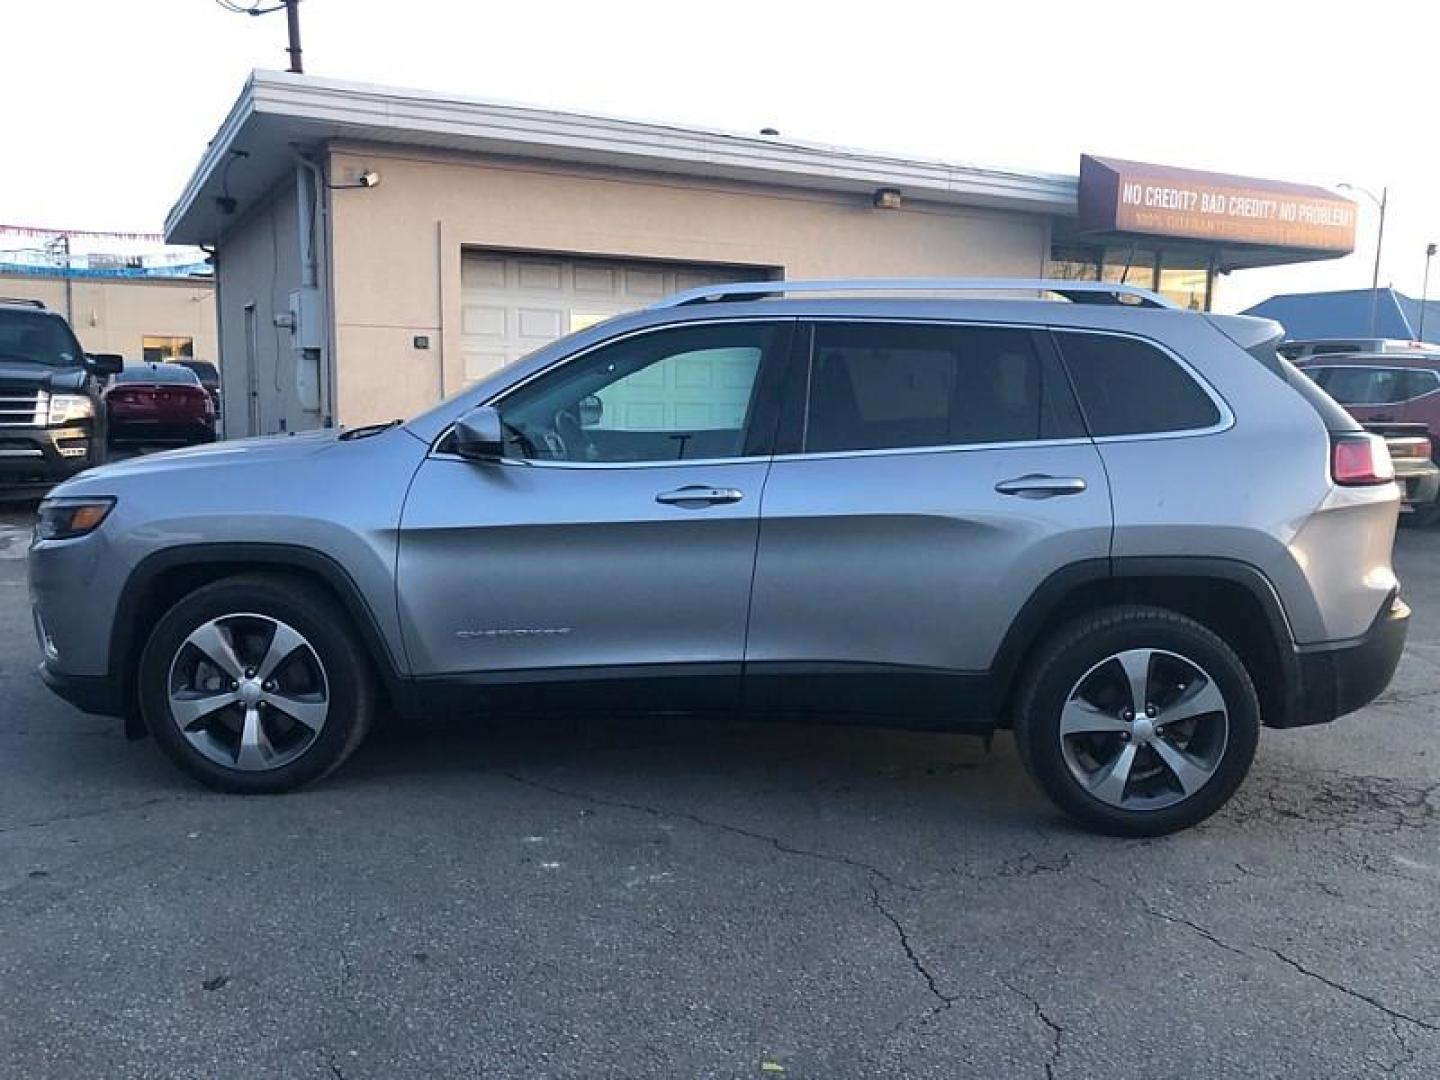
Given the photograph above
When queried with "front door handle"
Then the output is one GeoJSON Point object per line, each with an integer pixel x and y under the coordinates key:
{"type": "Point", "coordinates": [1039, 486]}
{"type": "Point", "coordinates": [694, 496]}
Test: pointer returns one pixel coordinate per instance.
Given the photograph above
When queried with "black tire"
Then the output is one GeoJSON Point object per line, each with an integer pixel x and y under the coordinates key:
{"type": "Point", "coordinates": [349, 678]}
{"type": "Point", "coordinates": [1075, 650]}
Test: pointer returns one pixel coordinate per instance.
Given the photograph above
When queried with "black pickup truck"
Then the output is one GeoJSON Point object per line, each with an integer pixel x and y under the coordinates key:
{"type": "Point", "coordinates": [52, 421]}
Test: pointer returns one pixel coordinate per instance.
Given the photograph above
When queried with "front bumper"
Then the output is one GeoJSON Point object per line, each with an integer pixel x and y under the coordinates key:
{"type": "Point", "coordinates": [99, 695]}
{"type": "Point", "coordinates": [1328, 681]}
{"type": "Point", "coordinates": [41, 457]}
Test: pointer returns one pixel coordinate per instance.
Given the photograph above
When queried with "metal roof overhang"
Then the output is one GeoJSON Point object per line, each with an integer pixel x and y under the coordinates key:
{"type": "Point", "coordinates": [1197, 253]}
{"type": "Point", "coordinates": [277, 112]}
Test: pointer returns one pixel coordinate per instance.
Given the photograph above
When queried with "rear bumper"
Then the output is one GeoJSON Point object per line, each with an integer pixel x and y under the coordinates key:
{"type": "Point", "coordinates": [1337, 678]}
{"type": "Point", "coordinates": [1419, 482]}
{"type": "Point", "coordinates": [125, 432]}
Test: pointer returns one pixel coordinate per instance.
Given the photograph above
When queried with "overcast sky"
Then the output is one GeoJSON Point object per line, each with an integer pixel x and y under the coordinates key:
{"type": "Point", "coordinates": [109, 103]}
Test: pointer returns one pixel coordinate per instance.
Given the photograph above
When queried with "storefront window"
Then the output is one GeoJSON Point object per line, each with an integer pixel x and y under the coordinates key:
{"type": "Point", "coordinates": [159, 348]}
{"type": "Point", "coordinates": [1180, 276]}
{"type": "Point", "coordinates": [1075, 263]}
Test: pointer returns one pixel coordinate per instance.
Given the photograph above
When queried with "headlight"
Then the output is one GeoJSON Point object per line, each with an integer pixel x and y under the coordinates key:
{"type": "Point", "coordinates": [64, 519]}
{"type": "Point", "coordinates": [65, 408]}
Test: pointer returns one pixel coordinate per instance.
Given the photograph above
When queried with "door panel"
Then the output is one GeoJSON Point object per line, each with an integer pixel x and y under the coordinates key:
{"type": "Point", "coordinates": [510, 567]}
{"type": "Point", "coordinates": [605, 549]}
{"type": "Point", "coordinates": [943, 474]}
{"type": "Point", "coordinates": [909, 563]}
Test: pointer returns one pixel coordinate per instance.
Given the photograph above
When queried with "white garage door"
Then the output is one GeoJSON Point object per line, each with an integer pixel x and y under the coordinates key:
{"type": "Point", "coordinates": [513, 304]}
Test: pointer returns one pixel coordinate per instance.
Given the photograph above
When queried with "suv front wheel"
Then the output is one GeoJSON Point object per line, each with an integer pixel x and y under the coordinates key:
{"type": "Point", "coordinates": [1137, 721]}
{"type": "Point", "coordinates": [255, 684]}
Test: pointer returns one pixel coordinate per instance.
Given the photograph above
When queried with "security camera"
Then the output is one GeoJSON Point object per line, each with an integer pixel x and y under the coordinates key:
{"type": "Point", "coordinates": [368, 179]}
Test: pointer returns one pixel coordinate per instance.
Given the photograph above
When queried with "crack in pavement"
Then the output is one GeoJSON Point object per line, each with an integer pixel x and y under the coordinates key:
{"type": "Point", "coordinates": [710, 823]}
{"type": "Point", "coordinates": [946, 1000]}
{"type": "Point", "coordinates": [1393, 1014]}
{"type": "Point", "coordinates": [1056, 1031]}
{"type": "Point", "coordinates": [1180, 920]}
{"type": "Point", "coordinates": [872, 873]}
{"type": "Point", "coordinates": [1406, 1049]}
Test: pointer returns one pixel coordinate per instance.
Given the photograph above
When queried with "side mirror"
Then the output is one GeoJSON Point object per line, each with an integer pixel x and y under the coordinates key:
{"type": "Point", "coordinates": [104, 363]}
{"type": "Point", "coordinates": [479, 435]}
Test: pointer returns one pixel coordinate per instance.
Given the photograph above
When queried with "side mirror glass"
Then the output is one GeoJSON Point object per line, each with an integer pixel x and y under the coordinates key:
{"type": "Point", "coordinates": [479, 435]}
{"type": "Point", "coordinates": [591, 410]}
{"type": "Point", "coordinates": [104, 363]}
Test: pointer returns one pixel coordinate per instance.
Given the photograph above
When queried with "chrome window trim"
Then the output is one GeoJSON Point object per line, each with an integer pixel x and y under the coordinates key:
{"type": "Point", "coordinates": [1226, 421]}
{"type": "Point", "coordinates": [501, 395]}
{"type": "Point", "coordinates": [941, 448]}
{"type": "Point", "coordinates": [526, 463]}
{"type": "Point", "coordinates": [1435, 375]}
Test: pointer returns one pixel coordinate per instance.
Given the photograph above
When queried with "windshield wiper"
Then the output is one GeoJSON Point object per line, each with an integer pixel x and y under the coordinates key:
{"type": "Point", "coordinates": [367, 430]}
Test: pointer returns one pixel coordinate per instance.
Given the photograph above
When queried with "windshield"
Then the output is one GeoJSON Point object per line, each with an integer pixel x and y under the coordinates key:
{"type": "Point", "coordinates": [37, 338]}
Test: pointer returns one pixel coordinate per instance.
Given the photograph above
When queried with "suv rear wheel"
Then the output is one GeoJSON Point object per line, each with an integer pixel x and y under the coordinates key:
{"type": "Point", "coordinates": [1137, 721]}
{"type": "Point", "coordinates": [255, 684]}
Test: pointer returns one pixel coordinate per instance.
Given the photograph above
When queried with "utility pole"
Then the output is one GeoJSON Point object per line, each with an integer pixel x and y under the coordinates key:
{"type": "Point", "coordinates": [1425, 290]}
{"type": "Point", "coordinates": [292, 20]}
{"type": "Point", "coordinates": [292, 23]}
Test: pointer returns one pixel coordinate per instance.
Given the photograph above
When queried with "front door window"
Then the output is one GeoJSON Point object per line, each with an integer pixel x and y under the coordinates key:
{"type": "Point", "coordinates": [680, 394]}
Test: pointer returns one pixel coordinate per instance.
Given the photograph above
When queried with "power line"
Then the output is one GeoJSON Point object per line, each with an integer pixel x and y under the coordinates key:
{"type": "Point", "coordinates": [292, 19]}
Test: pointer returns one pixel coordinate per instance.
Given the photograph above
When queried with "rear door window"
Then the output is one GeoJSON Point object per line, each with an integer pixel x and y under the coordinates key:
{"type": "Point", "coordinates": [880, 386]}
{"type": "Point", "coordinates": [1128, 386]}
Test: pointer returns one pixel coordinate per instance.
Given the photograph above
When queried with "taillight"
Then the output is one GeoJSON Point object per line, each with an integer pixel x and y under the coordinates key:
{"type": "Point", "coordinates": [1358, 459]}
{"type": "Point", "coordinates": [1409, 448]}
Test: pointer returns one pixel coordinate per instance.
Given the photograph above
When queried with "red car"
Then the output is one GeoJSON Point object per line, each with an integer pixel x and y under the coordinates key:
{"type": "Point", "coordinates": [158, 405]}
{"type": "Point", "coordinates": [1396, 395]}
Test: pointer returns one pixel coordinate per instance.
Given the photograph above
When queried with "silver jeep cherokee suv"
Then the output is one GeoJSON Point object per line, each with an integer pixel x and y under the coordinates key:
{"type": "Point", "coordinates": [1133, 534]}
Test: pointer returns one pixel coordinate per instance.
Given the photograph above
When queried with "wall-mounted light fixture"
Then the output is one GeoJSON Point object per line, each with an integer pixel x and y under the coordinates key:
{"type": "Point", "coordinates": [367, 179]}
{"type": "Point", "coordinates": [887, 198]}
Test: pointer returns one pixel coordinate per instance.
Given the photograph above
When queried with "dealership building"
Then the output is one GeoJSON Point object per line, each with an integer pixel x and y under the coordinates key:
{"type": "Point", "coordinates": [377, 249]}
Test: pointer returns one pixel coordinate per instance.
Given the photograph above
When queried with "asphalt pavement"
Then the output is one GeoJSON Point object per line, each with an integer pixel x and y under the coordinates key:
{"type": "Point", "coordinates": [679, 899]}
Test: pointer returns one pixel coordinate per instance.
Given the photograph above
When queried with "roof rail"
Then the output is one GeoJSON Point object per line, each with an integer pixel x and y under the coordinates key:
{"type": "Point", "coordinates": [1078, 292]}
{"type": "Point", "coordinates": [23, 302]}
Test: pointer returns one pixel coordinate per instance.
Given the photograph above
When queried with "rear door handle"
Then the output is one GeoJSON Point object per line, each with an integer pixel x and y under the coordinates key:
{"type": "Point", "coordinates": [694, 496]}
{"type": "Point", "coordinates": [1039, 486]}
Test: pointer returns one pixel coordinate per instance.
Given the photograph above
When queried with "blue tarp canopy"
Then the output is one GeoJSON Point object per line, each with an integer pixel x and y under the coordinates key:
{"type": "Point", "coordinates": [1346, 314]}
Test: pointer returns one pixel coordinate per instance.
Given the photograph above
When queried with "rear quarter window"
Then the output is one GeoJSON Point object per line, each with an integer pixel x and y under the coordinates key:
{"type": "Point", "coordinates": [1127, 386]}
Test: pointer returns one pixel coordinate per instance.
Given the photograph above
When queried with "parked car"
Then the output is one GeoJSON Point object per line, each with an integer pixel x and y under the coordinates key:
{"type": "Point", "coordinates": [51, 425]}
{"type": "Point", "coordinates": [1396, 395]}
{"type": "Point", "coordinates": [1133, 534]}
{"type": "Point", "coordinates": [159, 405]}
{"type": "Point", "coordinates": [1306, 349]}
{"type": "Point", "coordinates": [209, 376]}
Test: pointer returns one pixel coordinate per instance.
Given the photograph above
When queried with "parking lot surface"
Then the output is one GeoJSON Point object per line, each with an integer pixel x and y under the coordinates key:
{"type": "Point", "coordinates": [683, 899]}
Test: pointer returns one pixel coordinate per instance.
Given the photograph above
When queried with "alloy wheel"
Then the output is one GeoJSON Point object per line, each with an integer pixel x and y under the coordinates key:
{"type": "Point", "coordinates": [248, 692]}
{"type": "Point", "coordinates": [1144, 729]}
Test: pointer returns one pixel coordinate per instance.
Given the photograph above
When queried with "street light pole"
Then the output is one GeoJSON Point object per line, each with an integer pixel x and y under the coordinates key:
{"type": "Point", "coordinates": [1383, 202]}
{"type": "Point", "coordinates": [1425, 290]}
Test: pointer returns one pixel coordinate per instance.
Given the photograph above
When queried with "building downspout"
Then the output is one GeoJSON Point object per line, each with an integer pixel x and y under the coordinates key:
{"type": "Point", "coordinates": [303, 199]}
{"type": "Point", "coordinates": [308, 200]}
